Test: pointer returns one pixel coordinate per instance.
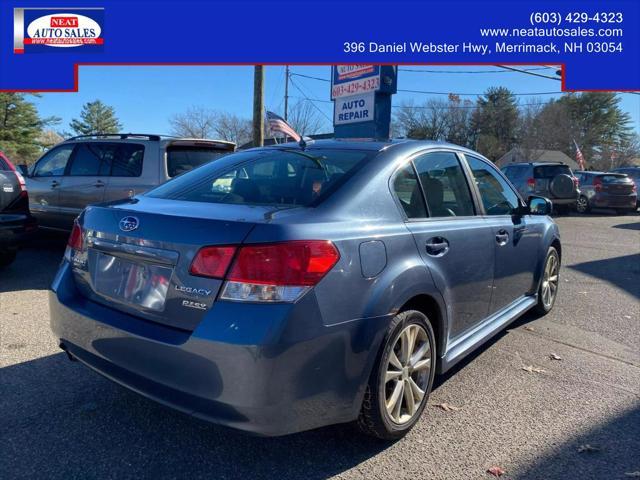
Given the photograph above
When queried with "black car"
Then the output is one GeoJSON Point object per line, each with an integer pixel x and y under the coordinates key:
{"type": "Point", "coordinates": [606, 190]}
{"type": "Point", "coordinates": [634, 174]}
{"type": "Point", "coordinates": [15, 219]}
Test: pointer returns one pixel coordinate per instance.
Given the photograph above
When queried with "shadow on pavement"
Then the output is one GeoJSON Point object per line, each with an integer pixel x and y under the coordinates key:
{"type": "Point", "coordinates": [60, 420]}
{"type": "Point", "coordinates": [36, 264]}
{"type": "Point", "coordinates": [628, 226]}
{"type": "Point", "coordinates": [612, 443]}
{"type": "Point", "coordinates": [622, 272]}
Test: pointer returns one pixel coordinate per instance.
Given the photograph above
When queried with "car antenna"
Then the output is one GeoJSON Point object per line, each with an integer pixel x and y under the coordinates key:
{"type": "Point", "coordinates": [304, 141]}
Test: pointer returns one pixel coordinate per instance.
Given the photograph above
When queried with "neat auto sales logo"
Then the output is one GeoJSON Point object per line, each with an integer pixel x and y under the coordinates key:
{"type": "Point", "coordinates": [38, 29]}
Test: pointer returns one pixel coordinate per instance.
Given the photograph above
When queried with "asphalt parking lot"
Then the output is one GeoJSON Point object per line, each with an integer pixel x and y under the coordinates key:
{"type": "Point", "coordinates": [574, 417]}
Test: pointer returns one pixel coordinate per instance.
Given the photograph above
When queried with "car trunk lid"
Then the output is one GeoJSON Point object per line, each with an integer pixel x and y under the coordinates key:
{"type": "Point", "coordinates": [137, 253]}
{"type": "Point", "coordinates": [616, 184]}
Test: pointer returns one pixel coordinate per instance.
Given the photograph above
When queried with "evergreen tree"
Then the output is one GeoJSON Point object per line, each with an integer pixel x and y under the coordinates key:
{"type": "Point", "coordinates": [495, 122]}
{"type": "Point", "coordinates": [96, 118]}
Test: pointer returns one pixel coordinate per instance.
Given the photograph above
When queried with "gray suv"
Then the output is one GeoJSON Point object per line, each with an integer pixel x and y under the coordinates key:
{"type": "Point", "coordinates": [554, 181]}
{"type": "Point", "coordinates": [98, 168]}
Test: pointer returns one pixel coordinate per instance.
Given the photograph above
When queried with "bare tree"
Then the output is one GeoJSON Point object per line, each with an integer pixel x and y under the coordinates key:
{"type": "Point", "coordinates": [196, 122]}
{"type": "Point", "coordinates": [304, 118]}
{"type": "Point", "coordinates": [49, 138]}
{"type": "Point", "coordinates": [232, 128]}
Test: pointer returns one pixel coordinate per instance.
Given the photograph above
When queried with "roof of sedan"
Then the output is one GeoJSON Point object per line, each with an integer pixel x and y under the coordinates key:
{"type": "Point", "coordinates": [359, 144]}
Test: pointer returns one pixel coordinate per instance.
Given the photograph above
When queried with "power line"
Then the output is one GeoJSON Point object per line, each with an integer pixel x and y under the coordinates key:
{"type": "Point", "coordinates": [510, 69]}
{"type": "Point", "coordinates": [415, 70]}
{"type": "Point", "coordinates": [424, 107]}
{"type": "Point", "coordinates": [309, 100]}
{"type": "Point", "coordinates": [435, 93]}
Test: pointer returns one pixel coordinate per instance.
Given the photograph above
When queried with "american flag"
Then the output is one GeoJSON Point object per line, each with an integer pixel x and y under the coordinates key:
{"type": "Point", "coordinates": [579, 156]}
{"type": "Point", "coordinates": [278, 124]}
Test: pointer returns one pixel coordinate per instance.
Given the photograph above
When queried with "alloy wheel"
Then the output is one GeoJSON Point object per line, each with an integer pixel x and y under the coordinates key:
{"type": "Point", "coordinates": [550, 281]}
{"type": "Point", "coordinates": [407, 374]}
{"type": "Point", "coordinates": [581, 205]}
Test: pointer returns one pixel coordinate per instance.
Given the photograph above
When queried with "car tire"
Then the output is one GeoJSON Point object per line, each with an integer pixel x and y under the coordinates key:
{"type": "Point", "coordinates": [549, 282]}
{"type": "Point", "coordinates": [582, 205]}
{"type": "Point", "coordinates": [394, 369]}
{"type": "Point", "coordinates": [7, 257]}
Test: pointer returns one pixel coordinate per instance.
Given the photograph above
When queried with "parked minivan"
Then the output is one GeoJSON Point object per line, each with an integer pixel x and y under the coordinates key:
{"type": "Point", "coordinates": [91, 169]}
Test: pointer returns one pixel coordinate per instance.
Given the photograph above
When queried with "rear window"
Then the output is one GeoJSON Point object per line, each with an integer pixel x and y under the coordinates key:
{"type": "Point", "coordinates": [613, 178]}
{"type": "Point", "coordinates": [550, 171]}
{"type": "Point", "coordinates": [181, 159]}
{"type": "Point", "coordinates": [267, 177]}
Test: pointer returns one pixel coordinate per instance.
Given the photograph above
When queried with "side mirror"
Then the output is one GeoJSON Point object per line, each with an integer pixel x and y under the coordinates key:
{"type": "Point", "coordinates": [23, 169]}
{"type": "Point", "coordinates": [540, 206]}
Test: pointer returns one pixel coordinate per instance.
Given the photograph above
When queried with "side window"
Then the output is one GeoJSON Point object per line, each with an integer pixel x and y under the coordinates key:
{"type": "Point", "coordinates": [127, 161]}
{"type": "Point", "coordinates": [54, 162]}
{"type": "Point", "coordinates": [497, 196]}
{"type": "Point", "coordinates": [91, 159]}
{"type": "Point", "coordinates": [444, 184]}
{"type": "Point", "coordinates": [407, 190]}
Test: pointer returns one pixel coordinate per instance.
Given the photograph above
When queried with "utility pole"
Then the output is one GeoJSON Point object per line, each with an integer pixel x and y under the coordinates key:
{"type": "Point", "coordinates": [258, 106]}
{"type": "Point", "coordinates": [286, 92]}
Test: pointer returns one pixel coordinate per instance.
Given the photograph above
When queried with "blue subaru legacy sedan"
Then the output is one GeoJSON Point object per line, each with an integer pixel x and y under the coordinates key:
{"type": "Point", "coordinates": [281, 289]}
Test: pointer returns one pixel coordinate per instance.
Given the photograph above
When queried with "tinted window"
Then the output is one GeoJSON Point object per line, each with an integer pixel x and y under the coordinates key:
{"type": "Point", "coordinates": [266, 177]}
{"type": "Point", "coordinates": [614, 178]}
{"type": "Point", "coordinates": [407, 189]}
{"type": "Point", "coordinates": [182, 159]}
{"type": "Point", "coordinates": [444, 185]}
{"type": "Point", "coordinates": [497, 196]}
{"type": "Point", "coordinates": [91, 159]}
{"type": "Point", "coordinates": [54, 162]}
{"type": "Point", "coordinates": [550, 171]}
{"type": "Point", "coordinates": [128, 160]}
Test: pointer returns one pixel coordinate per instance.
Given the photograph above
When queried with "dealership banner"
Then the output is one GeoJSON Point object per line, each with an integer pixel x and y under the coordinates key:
{"type": "Point", "coordinates": [596, 45]}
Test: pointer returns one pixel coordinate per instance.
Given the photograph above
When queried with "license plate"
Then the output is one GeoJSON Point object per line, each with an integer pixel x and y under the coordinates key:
{"type": "Point", "coordinates": [135, 283]}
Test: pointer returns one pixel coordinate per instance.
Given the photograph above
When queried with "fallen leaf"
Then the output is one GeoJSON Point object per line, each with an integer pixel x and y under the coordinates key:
{"type": "Point", "coordinates": [496, 471]}
{"type": "Point", "coordinates": [587, 448]}
{"type": "Point", "coordinates": [554, 356]}
{"type": "Point", "coordinates": [446, 407]}
{"type": "Point", "coordinates": [532, 369]}
{"type": "Point", "coordinates": [633, 474]}
{"type": "Point", "coordinates": [531, 329]}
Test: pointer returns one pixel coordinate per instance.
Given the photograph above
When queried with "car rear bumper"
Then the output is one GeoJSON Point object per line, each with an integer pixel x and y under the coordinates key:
{"type": "Point", "coordinates": [601, 200]}
{"type": "Point", "coordinates": [263, 375]}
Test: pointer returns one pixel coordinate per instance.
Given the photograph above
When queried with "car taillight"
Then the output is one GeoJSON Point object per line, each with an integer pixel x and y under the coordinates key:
{"type": "Point", "coordinates": [576, 182]}
{"type": "Point", "coordinates": [212, 262]}
{"type": "Point", "coordinates": [75, 239]}
{"type": "Point", "coordinates": [634, 188]}
{"type": "Point", "coordinates": [597, 184]}
{"type": "Point", "coordinates": [278, 272]}
{"type": "Point", "coordinates": [531, 184]}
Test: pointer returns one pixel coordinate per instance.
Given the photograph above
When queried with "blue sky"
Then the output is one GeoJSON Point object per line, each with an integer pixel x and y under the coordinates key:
{"type": "Point", "coordinates": [145, 97]}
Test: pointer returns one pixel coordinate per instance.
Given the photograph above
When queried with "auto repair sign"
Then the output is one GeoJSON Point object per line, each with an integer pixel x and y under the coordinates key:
{"type": "Point", "coordinates": [354, 109]}
{"type": "Point", "coordinates": [50, 30]}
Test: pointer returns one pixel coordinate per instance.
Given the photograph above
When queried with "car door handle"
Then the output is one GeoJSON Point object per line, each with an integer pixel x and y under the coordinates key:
{"type": "Point", "coordinates": [55, 184]}
{"type": "Point", "coordinates": [437, 246]}
{"type": "Point", "coordinates": [99, 184]}
{"type": "Point", "coordinates": [502, 237]}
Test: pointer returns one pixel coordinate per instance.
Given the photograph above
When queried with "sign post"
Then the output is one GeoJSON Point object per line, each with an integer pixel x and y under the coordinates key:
{"type": "Point", "coordinates": [362, 100]}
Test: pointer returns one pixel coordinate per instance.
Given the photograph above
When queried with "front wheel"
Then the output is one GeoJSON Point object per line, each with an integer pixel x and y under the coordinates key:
{"type": "Point", "coordinates": [548, 289]}
{"type": "Point", "coordinates": [402, 378]}
{"type": "Point", "coordinates": [582, 205]}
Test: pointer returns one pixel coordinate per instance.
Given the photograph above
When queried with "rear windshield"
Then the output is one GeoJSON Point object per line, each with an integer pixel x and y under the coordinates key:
{"type": "Point", "coordinates": [550, 171]}
{"type": "Point", "coordinates": [267, 177]}
{"type": "Point", "coordinates": [181, 159]}
{"type": "Point", "coordinates": [613, 178]}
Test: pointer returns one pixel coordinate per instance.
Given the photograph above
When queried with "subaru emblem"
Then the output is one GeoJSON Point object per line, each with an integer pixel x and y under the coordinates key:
{"type": "Point", "coordinates": [128, 224]}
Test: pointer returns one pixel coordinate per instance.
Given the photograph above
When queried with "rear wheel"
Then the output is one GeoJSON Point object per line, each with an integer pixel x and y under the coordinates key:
{"type": "Point", "coordinates": [582, 205]}
{"type": "Point", "coordinates": [548, 289]}
{"type": "Point", "coordinates": [401, 380]}
{"type": "Point", "coordinates": [7, 257]}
